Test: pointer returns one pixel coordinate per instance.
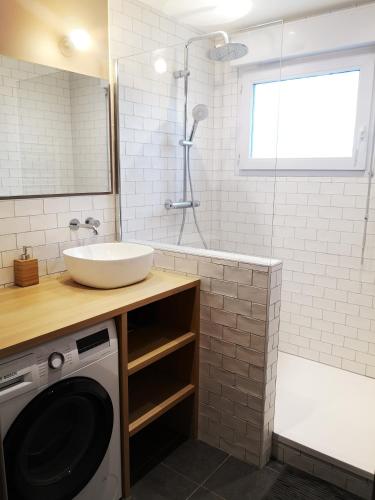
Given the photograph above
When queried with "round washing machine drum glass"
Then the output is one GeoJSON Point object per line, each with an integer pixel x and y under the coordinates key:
{"type": "Point", "coordinates": [56, 444]}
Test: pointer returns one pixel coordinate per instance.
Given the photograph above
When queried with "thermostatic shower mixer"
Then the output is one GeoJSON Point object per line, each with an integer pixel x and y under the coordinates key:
{"type": "Point", "coordinates": [181, 204]}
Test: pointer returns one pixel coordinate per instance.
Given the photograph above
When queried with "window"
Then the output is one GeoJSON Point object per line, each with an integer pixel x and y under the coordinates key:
{"type": "Point", "coordinates": [316, 117]}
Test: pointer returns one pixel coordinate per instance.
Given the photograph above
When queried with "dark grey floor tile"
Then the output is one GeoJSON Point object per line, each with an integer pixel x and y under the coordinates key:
{"type": "Point", "coordinates": [163, 483]}
{"type": "Point", "coordinates": [195, 459]}
{"type": "Point", "coordinates": [297, 485]}
{"type": "Point", "coordinates": [236, 480]}
{"type": "Point", "coordinates": [203, 494]}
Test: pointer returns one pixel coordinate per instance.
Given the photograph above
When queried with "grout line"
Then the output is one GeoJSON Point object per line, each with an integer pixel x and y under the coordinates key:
{"type": "Point", "coordinates": [180, 474]}
{"type": "Point", "coordinates": [217, 468]}
{"type": "Point", "coordinates": [193, 492]}
{"type": "Point", "coordinates": [209, 491]}
{"type": "Point", "coordinates": [208, 477]}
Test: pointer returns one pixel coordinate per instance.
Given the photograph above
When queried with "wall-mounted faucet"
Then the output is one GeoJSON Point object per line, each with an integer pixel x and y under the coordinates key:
{"type": "Point", "coordinates": [90, 223]}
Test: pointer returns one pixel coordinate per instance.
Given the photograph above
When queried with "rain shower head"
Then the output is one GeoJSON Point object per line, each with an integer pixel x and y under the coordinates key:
{"type": "Point", "coordinates": [200, 112]}
{"type": "Point", "coordinates": [228, 52]}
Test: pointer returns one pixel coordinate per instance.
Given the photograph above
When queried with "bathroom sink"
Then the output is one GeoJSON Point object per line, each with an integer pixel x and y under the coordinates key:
{"type": "Point", "coordinates": [109, 265]}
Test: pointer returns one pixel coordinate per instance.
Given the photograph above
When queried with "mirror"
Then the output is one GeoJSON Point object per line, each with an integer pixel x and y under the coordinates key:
{"type": "Point", "coordinates": [54, 131]}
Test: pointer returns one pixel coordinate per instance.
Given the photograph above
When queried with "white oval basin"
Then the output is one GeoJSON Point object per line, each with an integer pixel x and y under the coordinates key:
{"type": "Point", "coordinates": [109, 265]}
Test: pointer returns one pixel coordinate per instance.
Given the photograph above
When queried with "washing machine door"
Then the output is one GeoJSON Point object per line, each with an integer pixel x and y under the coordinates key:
{"type": "Point", "coordinates": [56, 444]}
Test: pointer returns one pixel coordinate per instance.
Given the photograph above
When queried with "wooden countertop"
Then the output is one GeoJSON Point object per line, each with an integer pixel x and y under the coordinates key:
{"type": "Point", "coordinates": [57, 306]}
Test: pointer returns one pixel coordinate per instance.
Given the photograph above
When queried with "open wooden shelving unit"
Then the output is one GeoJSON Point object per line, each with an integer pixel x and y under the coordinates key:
{"type": "Point", "coordinates": [159, 350]}
{"type": "Point", "coordinates": [158, 338]}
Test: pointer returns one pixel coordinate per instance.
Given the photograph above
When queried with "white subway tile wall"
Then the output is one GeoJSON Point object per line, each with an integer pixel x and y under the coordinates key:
{"type": "Point", "coordinates": [42, 223]}
{"type": "Point", "coordinates": [315, 225]}
{"type": "Point", "coordinates": [151, 125]}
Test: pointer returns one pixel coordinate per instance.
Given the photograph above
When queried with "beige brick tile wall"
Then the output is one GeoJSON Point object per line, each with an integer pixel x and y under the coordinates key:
{"type": "Point", "coordinates": [239, 339]}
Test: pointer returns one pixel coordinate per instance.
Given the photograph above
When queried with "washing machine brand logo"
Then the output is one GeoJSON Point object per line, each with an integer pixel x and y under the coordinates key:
{"type": "Point", "coordinates": [8, 375]}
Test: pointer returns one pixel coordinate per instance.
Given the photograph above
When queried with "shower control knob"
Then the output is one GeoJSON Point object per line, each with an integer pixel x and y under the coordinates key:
{"type": "Point", "coordinates": [56, 360]}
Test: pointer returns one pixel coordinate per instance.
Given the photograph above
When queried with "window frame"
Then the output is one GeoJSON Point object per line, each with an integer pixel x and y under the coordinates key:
{"type": "Point", "coordinates": [363, 132]}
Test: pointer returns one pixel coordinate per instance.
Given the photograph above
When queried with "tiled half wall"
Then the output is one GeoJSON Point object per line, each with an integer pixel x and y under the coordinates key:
{"type": "Point", "coordinates": [240, 304]}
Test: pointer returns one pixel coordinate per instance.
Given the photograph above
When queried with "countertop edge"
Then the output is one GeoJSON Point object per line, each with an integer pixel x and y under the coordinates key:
{"type": "Point", "coordinates": [8, 349]}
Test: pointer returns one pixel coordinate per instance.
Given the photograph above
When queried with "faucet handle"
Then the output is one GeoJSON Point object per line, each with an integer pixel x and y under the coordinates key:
{"type": "Point", "coordinates": [74, 224]}
{"type": "Point", "coordinates": [92, 222]}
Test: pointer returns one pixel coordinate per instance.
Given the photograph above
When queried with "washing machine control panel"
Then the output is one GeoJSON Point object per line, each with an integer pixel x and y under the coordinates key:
{"type": "Point", "coordinates": [50, 362]}
{"type": "Point", "coordinates": [56, 360]}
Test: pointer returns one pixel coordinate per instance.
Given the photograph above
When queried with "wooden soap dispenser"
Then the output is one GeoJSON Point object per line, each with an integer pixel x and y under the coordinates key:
{"type": "Point", "coordinates": [26, 272]}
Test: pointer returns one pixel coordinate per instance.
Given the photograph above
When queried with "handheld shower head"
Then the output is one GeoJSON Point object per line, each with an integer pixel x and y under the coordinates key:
{"type": "Point", "coordinates": [200, 112]}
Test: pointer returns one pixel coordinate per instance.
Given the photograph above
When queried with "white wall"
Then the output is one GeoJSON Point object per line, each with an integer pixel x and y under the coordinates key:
{"type": "Point", "coordinates": [337, 30]}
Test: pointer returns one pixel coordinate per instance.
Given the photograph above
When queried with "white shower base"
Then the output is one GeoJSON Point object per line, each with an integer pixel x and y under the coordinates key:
{"type": "Point", "coordinates": [327, 410]}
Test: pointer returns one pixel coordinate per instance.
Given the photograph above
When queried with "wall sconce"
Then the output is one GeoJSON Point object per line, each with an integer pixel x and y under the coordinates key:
{"type": "Point", "coordinates": [77, 40]}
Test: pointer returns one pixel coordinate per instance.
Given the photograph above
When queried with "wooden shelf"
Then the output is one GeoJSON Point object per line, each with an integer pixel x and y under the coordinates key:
{"type": "Point", "coordinates": [149, 344]}
{"type": "Point", "coordinates": [150, 397]}
{"type": "Point", "coordinates": [159, 356]}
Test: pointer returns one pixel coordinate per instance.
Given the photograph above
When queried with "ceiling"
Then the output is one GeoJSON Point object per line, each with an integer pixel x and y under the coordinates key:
{"type": "Point", "coordinates": [237, 14]}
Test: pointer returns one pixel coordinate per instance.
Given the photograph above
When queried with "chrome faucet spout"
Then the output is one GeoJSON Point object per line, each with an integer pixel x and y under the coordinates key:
{"type": "Point", "coordinates": [90, 223]}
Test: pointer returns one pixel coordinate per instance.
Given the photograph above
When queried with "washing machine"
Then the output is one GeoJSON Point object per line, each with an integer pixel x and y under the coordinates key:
{"type": "Point", "coordinates": [59, 419]}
